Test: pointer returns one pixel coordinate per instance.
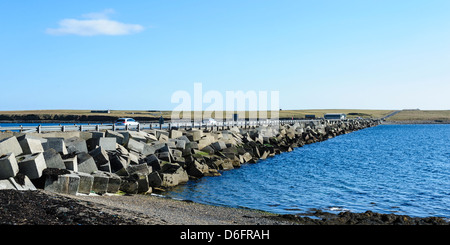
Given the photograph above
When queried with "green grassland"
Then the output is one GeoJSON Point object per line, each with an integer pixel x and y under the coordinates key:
{"type": "Point", "coordinates": [154, 115]}
{"type": "Point", "coordinates": [404, 115]}
{"type": "Point", "coordinates": [421, 115]}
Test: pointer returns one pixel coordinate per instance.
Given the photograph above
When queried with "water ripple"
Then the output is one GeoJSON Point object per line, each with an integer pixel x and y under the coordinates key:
{"type": "Point", "coordinates": [402, 169]}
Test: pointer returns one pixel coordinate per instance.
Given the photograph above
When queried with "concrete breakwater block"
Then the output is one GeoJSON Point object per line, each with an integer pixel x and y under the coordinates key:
{"type": "Point", "coordinates": [164, 156]}
{"type": "Point", "coordinates": [32, 165]}
{"type": "Point", "coordinates": [76, 145]}
{"type": "Point", "coordinates": [86, 163]}
{"type": "Point", "coordinates": [86, 182]}
{"type": "Point", "coordinates": [140, 147]}
{"type": "Point", "coordinates": [138, 174]}
{"type": "Point", "coordinates": [95, 135]}
{"type": "Point", "coordinates": [129, 185]}
{"type": "Point", "coordinates": [143, 169]}
{"type": "Point", "coordinates": [100, 184]}
{"type": "Point", "coordinates": [57, 144]}
{"type": "Point", "coordinates": [134, 157]}
{"type": "Point", "coordinates": [172, 174]}
{"type": "Point", "coordinates": [53, 159]}
{"type": "Point", "coordinates": [180, 144]}
{"type": "Point", "coordinates": [61, 181]}
{"type": "Point", "coordinates": [134, 145]}
{"type": "Point", "coordinates": [5, 184]}
{"type": "Point", "coordinates": [117, 162]}
{"type": "Point", "coordinates": [71, 163]}
{"type": "Point", "coordinates": [154, 179]}
{"type": "Point", "coordinates": [138, 136]}
{"type": "Point", "coordinates": [153, 162]}
{"type": "Point", "coordinates": [176, 153]}
{"type": "Point", "coordinates": [8, 166]}
{"type": "Point", "coordinates": [159, 132]}
{"type": "Point", "coordinates": [10, 144]}
{"type": "Point", "coordinates": [196, 169]}
{"type": "Point", "coordinates": [101, 158]}
{"type": "Point", "coordinates": [107, 143]}
{"type": "Point", "coordinates": [31, 146]}
{"type": "Point", "coordinates": [175, 134]}
{"type": "Point", "coordinates": [143, 185]}
{"type": "Point", "coordinates": [65, 181]}
{"type": "Point", "coordinates": [105, 182]}
{"type": "Point", "coordinates": [219, 145]}
{"type": "Point", "coordinates": [169, 180]}
{"type": "Point", "coordinates": [194, 135]}
{"type": "Point", "coordinates": [114, 182]}
{"type": "Point", "coordinates": [20, 182]}
{"type": "Point", "coordinates": [119, 137]}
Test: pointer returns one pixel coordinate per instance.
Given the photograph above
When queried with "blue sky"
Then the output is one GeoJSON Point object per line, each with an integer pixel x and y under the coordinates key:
{"type": "Point", "coordinates": [133, 55]}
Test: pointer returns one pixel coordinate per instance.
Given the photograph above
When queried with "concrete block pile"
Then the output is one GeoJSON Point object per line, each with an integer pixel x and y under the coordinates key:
{"type": "Point", "coordinates": [138, 162]}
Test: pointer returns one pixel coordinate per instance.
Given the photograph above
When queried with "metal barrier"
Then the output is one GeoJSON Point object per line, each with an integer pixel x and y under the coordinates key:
{"type": "Point", "coordinates": [169, 125]}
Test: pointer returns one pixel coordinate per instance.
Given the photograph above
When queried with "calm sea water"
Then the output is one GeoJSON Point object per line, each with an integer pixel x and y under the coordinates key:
{"type": "Point", "coordinates": [402, 169]}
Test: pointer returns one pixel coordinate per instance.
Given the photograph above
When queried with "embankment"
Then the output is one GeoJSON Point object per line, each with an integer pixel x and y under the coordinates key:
{"type": "Point", "coordinates": [84, 164]}
{"type": "Point", "coordinates": [138, 162]}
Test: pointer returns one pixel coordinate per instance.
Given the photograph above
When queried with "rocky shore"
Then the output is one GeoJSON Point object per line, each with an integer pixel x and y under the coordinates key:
{"type": "Point", "coordinates": [139, 162]}
{"type": "Point", "coordinates": [68, 178]}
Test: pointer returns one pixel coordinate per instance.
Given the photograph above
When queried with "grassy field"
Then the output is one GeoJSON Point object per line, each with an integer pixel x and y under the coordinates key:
{"type": "Point", "coordinates": [218, 115]}
{"type": "Point", "coordinates": [421, 115]}
{"type": "Point", "coordinates": [404, 115]}
{"type": "Point", "coordinates": [351, 113]}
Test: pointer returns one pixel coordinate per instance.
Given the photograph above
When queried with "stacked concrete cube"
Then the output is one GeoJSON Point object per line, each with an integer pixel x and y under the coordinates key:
{"type": "Point", "coordinates": [86, 182]}
{"type": "Point", "coordinates": [76, 145]}
{"type": "Point", "coordinates": [61, 181]}
{"type": "Point", "coordinates": [86, 163]}
{"type": "Point", "coordinates": [100, 184]}
{"type": "Point", "coordinates": [107, 143]}
{"type": "Point", "coordinates": [56, 144]}
{"type": "Point", "coordinates": [32, 165]}
{"type": "Point", "coordinates": [19, 182]}
{"type": "Point", "coordinates": [101, 158]}
{"type": "Point", "coordinates": [8, 166]}
{"type": "Point", "coordinates": [9, 145]}
{"type": "Point", "coordinates": [71, 163]}
{"type": "Point", "coordinates": [31, 146]}
{"type": "Point", "coordinates": [53, 159]}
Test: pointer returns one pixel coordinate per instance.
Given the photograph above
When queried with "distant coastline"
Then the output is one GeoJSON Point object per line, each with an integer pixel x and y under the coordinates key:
{"type": "Point", "coordinates": [418, 122]}
{"type": "Point", "coordinates": [110, 116]}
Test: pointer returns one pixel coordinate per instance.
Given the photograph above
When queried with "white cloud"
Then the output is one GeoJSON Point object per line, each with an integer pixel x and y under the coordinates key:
{"type": "Point", "coordinates": [95, 24]}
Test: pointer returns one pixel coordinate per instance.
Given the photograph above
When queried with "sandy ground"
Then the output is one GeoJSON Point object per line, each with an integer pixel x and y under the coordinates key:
{"type": "Point", "coordinates": [151, 209]}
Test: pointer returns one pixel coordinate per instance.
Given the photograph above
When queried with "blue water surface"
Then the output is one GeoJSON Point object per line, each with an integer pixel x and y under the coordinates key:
{"type": "Point", "coordinates": [402, 169]}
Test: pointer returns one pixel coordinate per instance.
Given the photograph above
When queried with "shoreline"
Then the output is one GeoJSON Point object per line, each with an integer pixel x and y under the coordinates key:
{"type": "Point", "coordinates": [133, 208]}
{"type": "Point", "coordinates": [150, 210]}
{"type": "Point", "coordinates": [416, 122]}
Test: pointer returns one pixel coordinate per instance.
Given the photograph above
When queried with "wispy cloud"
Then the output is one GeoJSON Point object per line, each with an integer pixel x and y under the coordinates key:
{"type": "Point", "coordinates": [94, 24]}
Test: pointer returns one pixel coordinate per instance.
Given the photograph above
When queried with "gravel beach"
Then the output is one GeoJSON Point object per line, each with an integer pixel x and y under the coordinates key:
{"type": "Point", "coordinates": [150, 209]}
{"type": "Point", "coordinates": [46, 208]}
{"type": "Point", "coordinates": [115, 218]}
